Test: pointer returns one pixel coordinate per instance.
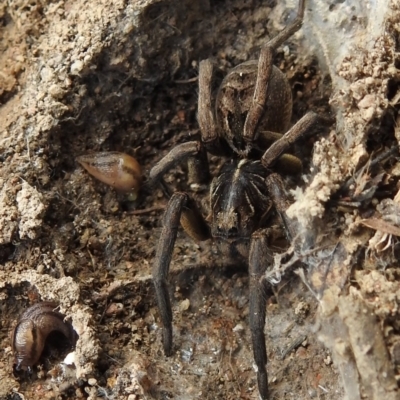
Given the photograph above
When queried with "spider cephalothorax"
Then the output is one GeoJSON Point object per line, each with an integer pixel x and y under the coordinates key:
{"type": "Point", "coordinates": [239, 199]}
{"type": "Point", "coordinates": [252, 112]}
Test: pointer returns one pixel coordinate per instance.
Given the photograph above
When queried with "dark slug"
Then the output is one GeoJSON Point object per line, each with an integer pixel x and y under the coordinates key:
{"type": "Point", "coordinates": [34, 326]}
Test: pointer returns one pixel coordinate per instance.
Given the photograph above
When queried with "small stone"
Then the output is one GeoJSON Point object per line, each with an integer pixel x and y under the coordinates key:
{"type": "Point", "coordinates": [367, 101]}
{"type": "Point", "coordinates": [114, 309]}
{"type": "Point", "coordinates": [92, 381]}
{"type": "Point", "coordinates": [76, 67]}
{"type": "Point", "coordinates": [328, 360]}
{"type": "Point", "coordinates": [184, 305]}
{"type": "Point", "coordinates": [369, 81]}
{"type": "Point", "coordinates": [56, 92]}
{"type": "Point", "coordinates": [46, 74]}
{"type": "Point", "coordinates": [367, 113]}
{"type": "Point", "coordinates": [238, 328]}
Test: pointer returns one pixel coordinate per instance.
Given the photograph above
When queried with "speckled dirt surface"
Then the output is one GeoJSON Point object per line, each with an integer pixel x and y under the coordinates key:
{"type": "Point", "coordinates": [116, 75]}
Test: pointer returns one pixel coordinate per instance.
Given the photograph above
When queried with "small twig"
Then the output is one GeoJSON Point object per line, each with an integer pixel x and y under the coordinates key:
{"type": "Point", "coordinates": [323, 389]}
{"type": "Point", "coordinates": [187, 80]}
{"type": "Point", "coordinates": [370, 164]}
{"type": "Point", "coordinates": [294, 345]}
{"type": "Point", "coordinates": [146, 210]}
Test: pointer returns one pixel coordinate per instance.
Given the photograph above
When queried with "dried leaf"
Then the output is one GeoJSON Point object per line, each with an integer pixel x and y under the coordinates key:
{"type": "Point", "coordinates": [381, 225]}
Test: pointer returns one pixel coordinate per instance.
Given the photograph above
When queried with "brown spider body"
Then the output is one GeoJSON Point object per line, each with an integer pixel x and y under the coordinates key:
{"type": "Point", "coordinates": [252, 112]}
{"type": "Point", "coordinates": [239, 199]}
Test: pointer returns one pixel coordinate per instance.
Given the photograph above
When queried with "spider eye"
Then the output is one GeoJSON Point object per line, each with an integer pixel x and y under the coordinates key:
{"type": "Point", "coordinates": [233, 231]}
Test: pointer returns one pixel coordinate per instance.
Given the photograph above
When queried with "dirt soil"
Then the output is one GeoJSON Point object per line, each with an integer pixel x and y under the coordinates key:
{"type": "Point", "coordinates": [79, 77]}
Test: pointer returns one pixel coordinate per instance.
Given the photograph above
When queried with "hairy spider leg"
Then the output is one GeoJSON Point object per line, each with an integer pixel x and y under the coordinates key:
{"type": "Point", "coordinates": [180, 211]}
{"type": "Point", "coordinates": [265, 63]}
{"type": "Point", "coordinates": [258, 259]}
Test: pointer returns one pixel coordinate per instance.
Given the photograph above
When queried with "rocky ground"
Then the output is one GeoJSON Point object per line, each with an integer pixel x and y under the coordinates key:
{"type": "Point", "coordinates": [78, 77]}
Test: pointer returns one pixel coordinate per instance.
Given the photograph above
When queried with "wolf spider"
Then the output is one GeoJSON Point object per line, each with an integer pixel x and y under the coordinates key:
{"type": "Point", "coordinates": [252, 111]}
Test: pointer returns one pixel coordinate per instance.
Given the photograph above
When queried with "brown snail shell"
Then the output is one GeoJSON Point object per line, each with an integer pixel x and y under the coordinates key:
{"type": "Point", "coordinates": [119, 170]}
{"type": "Point", "coordinates": [28, 338]}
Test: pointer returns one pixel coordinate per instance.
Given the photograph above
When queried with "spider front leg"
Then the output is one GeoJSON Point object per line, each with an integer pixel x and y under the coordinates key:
{"type": "Point", "coordinates": [192, 152]}
{"type": "Point", "coordinates": [257, 108]}
{"type": "Point", "coordinates": [180, 210]}
{"type": "Point", "coordinates": [205, 112]}
{"type": "Point", "coordinates": [299, 130]}
{"type": "Point", "coordinates": [177, 155]}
